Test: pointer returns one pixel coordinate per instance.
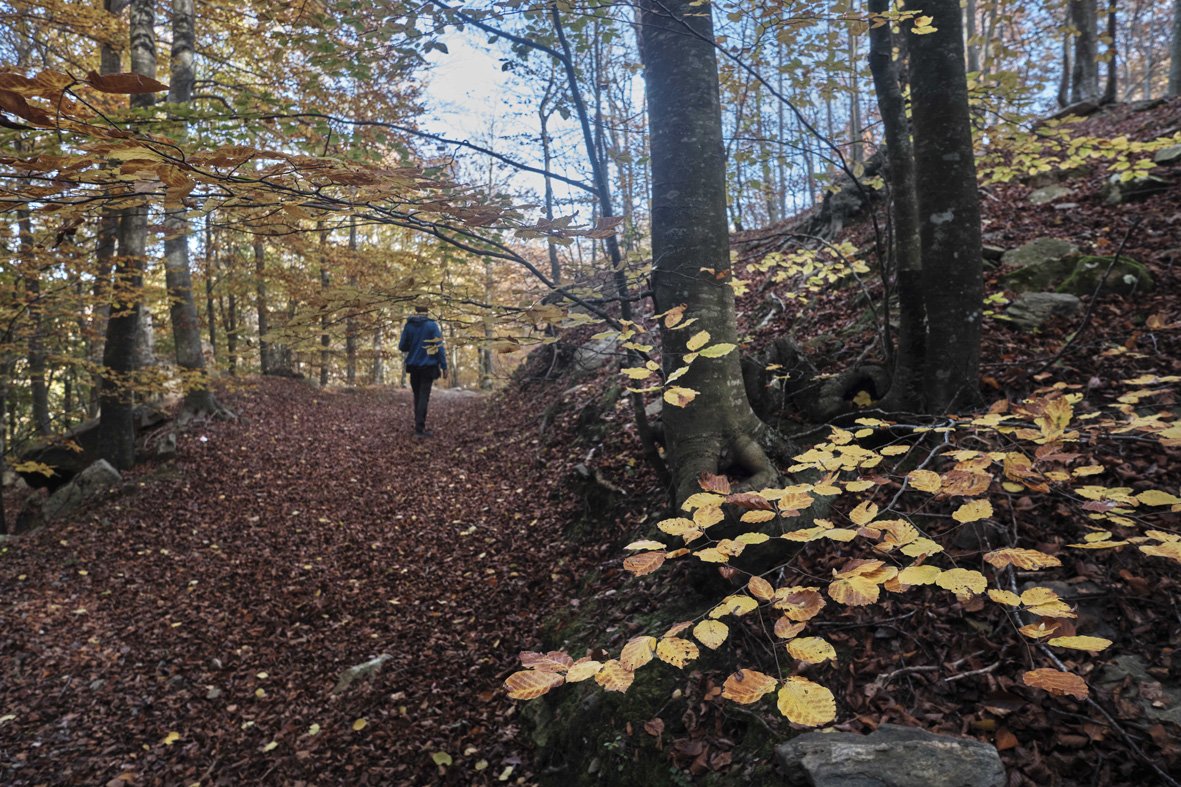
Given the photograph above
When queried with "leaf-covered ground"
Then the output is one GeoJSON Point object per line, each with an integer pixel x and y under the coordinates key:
{"type": "Point", "coordinates": [193, 629]}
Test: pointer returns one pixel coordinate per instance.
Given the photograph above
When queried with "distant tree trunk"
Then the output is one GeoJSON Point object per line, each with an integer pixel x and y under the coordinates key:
{"type": "Point", "coordinates": [486, 350]}
{"type": "Point", "coordinates": [906, 386]}
{"type": "Point", "coordinates": [377, 374]}
{"type": "Point", "coordinates": [1084, 19]}
{"type": "Point", "coordinates": [1064, 77]}
{"type": "Point", "coordinates": [1111, 87]}
{"type": "Point", "coordinates": [260, 304]}
{"type": "Point", "coordinates": [1175, 52]}
{"type": "Point", "coordinates": [232, 332]}
{"type": "Point", "coordinates": [949, 207]}
{"type": "Point", "coordinates": [210, 272]}
{"type": "Point", "coordinates": [116, 433]}
{"type": "Point", "coordinates": [543, 115]}
{"type": "Point", "coordinates": [858, 147]}
{"type": "Point", "coordinates": [972, 44]}
{"type": "Point", "coordinates": [182, 309]}
{"type": "Point", "coordinates": [324, 338]}
{"type": "Point", "coordinates": [38, 389]}
{"type": "Point", "coordinates": [690, 247]}
{"type": "Point", "coordinates": [350, 323]}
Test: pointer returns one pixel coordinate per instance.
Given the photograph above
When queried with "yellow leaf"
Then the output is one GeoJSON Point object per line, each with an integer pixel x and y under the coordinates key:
{"type": "Point", "coordinates": [757, 517]}
{"type": "Point", "coordinates": [919, 575]}
{"type": "Point", "coordinates": [963, 582]}
{"type": "Point", "coordinates": [1081, 643]}
{"type": "Point", "coordinates": [701, 500]}
{"type": "Point", "coordinates": [864, 513]}
{"type": "Point", "coordinates": [270, 746]}
{"type": "Point", "coordinates": [708, 516]}
{"type": "Point", "coordinates": [863, 399]}
{"type": "Point", "coordinates": [1155, 497]}
{"type": "Point", "coordinates": [747, 686]}
{"type": "Point", "coordinates": [1006, 597]}
{"type": "Point", "coordinates": [645, 545]}
{"type": "Point", "coordinates": [529, 684]}
{"type": "Point", "coordinates": [854, 591]}
{"type": "Point", "coordinates": [711, 555]}
{"type": "Point", "coordinates": [807, 703]}
{"type": "Point", "coordinates": [1056, 682]}
{"type": "Point", "coordinates": [1029, 559]}
{"type": "Point", "coordinates": [921, 547]}
{"type": "Point", "coordinates": [1170, 550]}
{"type": "Point", "coordinates": [679, 396]}
{"type": "Point", "coordinates": [676, 651]}
{"type": "Point", "coordinates": [924, 480]}
{"type": "Point", "coordinates": [636, 372]}
{"type": "Point", "coordinates": [842, 534]}
{"type": "Point", "coordinates": [441, 758]}
{"type": "Point", "coordinates": [697, 341]}
{"type": "Point", "coordinates": [171, 738]}
{"type": "Point", "coordinates": [973, 511]}
{"type": "Point", "coordinates": [637, 652]}
{"type": "Point", "coordinates": [859, 486]}
{"type": "Point", "coordinates": [786, 629]}
{"type": "Point", "coordinates": [736, 605]}
{"type": "Point", "coordinates": [711, 633]}
{"type": "Point", "coordinates": [614, 677]}
{"type": "Point", "coordinates": [313, 730]}
{"type": "Point", "coordinates": [811, 650]}
{"type": "Point", "coordinates": [677, 526]}
{"type": "Point", "coordinates": [718, 350]}
{"type": "Point", "coordinates": [583, 670]}
{"type": "Point", "coordinates": [799, 603]}
{"type": "Point", "coordinates": [359, 725]}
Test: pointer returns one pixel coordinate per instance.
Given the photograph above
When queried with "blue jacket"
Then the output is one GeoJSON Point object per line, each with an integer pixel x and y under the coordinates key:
{"type": "Point", "coordinates": [422, 340]}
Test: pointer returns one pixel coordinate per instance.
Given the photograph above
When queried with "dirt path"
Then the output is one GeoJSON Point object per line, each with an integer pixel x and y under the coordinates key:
{"type": "Point", "coordinates": [193, 628]}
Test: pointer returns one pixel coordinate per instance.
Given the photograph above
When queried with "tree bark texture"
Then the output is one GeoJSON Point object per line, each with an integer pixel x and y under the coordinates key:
{"type": "Point", "coordinates": [690, 246]}
{"type": "Point", "coordinates": [261, 305]}
{"type": "Point", "coordinates": [1084, 81]}
{"type": "Point", "coordinates": [1175, 52]}
{"type": "Point", "coordinates": [350, 322]}
{"type": "Point", "coordinates": [182, 308]}
{"type": "Point", "coordinates": [906, 384]}
{"type": "Point", "coordinates": [949, 211]}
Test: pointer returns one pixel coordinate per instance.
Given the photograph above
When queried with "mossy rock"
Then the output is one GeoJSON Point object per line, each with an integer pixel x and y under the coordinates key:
{"type": "Point", "coordinates": [1127, 276]}
{"type": "Point", "coordinates": [1041, 276]}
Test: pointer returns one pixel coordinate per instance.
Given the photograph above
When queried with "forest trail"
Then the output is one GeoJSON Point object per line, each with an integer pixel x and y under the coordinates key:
{"type": "Point", "coordinates": [193, 628]}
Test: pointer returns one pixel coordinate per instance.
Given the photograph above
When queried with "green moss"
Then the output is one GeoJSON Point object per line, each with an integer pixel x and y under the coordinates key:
{"type": "Point", "coordinates": [1127, 276]}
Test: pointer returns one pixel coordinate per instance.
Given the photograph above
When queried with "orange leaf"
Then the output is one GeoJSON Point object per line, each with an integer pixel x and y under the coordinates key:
{"type": "Point", "coordinates": [1021, 558]}
{"type": "Point", "coordinates": [644, 563]}
{"type": "Point", "coordinates": [748, 686]}
{"type": "Point", "coordinates": [1056, 682]}
{"type": "Point", "coordinates": [530, 684]}
{"type": "Point", "coordinates": [124, 83]}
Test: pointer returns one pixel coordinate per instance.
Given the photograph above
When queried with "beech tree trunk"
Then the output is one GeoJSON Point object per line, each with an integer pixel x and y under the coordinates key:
{"type": "Point", "coordinates": [324, 338]}
{"type": "Point", "coordinates": [261, 306]}
{"type": "Point", "coordinates": [38, 389]}
{"type": "Point", "coordinates": [906, 385]}
{"type": "Point", "coordinates": [949, 211]}
{"type": "Point", "coordinates": [116, 432]}
{"type": "Point", "coordinates": [1175, 52]}
{"type": "Point", "coordinates": [182, 308]}
{"type": "Point", "coordinates": [717, 430]}
{"type": "Point", "coordinates": [350, 322]}
{"type": "Point", "coordinates": [1110, 88]}
{"type": "Point", "coordinates": [1084, 82]}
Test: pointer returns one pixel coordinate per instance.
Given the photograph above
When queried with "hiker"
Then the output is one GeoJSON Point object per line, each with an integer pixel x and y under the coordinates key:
{"type": "Point", "coordinates": [425, 360]}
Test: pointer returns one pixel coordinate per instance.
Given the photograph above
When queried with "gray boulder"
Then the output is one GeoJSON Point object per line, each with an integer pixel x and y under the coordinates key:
{"type": "Point", "coordinates": [1049, 194]}
{"type": "Point", "coordinates": [1031, 310]}
{"type": "Point", "coordinates": [1039, 252]}
{"type": "Point", "coordinates": [594, 355]}
{"type": "Point", "coordinates": [1118, 191]}
{"type": "Point", "coordinates": [88, 485]}
{"type": "Point", "coordinates": [1125, 277]}
{"type": "Point", "coordinates": [1159, 702]}
{"type": "Point", "coordinates": [893, 756]}
{"type": "Point", "coordinates": [1169, 155]}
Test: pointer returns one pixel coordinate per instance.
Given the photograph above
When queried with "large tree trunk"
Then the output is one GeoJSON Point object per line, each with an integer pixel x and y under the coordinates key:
{"type": "Point", "coordinates": [972, 44]}
{"type": "Point", "coordinates": [949, 210]}
{"type": "Point", "coordinates": [1175, 52]}
{"type": "Point", "coordinates": [690, 246]}
{"type": "Point", "coordinates": [1084, 82]}
{"type": "Point", "coordinates": [182, 308]}
{"type": "Point", "coordinates": [116, 433]}
{"type": "Point", "coordinates": [906, 384]}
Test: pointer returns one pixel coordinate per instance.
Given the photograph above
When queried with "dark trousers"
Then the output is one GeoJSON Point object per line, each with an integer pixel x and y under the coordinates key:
{"type": "Point", "coordinates": [421, 379]}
